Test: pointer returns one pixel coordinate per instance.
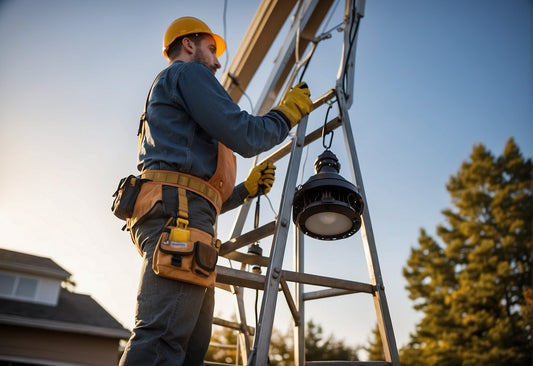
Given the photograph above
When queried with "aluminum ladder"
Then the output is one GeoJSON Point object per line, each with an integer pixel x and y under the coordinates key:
{"type": "Point", "coordinates": [276, 278]}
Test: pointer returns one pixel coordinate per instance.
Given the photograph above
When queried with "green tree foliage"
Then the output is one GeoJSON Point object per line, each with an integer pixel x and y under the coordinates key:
{"type": "Point", "coordinates": [375, 346]}
{"type": "Point", "coordinates": [475, 290]}
{"type": "Point", "coordinates": [223, 346]}
{"type": "Point", "coordinates": [318, 348]}
{"type": "Point", "coordinates": [281, 352]}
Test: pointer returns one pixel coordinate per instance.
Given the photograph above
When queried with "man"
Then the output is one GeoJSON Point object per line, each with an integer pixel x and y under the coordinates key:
{"type": "Point", "coordinates": [189, 130]}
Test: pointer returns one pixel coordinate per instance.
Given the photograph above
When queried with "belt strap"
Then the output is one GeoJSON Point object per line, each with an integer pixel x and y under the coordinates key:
{"type": "Point", "coordinates": [183, 209]}
{"type": "Point", "coordinates": [187, 181]}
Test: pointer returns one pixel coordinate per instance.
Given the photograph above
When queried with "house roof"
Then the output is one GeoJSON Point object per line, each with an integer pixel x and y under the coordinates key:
{"type": "Point", "coordinates": [32, 264]}
{"type": "Point", "coordinates": [74, 313]}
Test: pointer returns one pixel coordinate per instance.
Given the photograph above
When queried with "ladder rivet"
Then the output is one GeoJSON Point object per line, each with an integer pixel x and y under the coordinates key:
{"type": "Point", "coordinates": [284, 223]}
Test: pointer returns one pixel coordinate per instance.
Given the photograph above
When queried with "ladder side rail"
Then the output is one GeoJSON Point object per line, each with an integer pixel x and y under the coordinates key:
{"type": "Point", "coordinates": [354, 11]}
{"type": "Point", "coordinates": [299, 329]}
{"type": "Point", "coordinates": [244, 335]}
{"type": "Point", "coordinates": [380, 301]}
{"type": "Point", "coordinates": [259, 354]}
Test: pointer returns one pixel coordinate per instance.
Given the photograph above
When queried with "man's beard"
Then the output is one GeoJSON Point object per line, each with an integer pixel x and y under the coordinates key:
{"type": "Point", "coordinates": [198, 56]}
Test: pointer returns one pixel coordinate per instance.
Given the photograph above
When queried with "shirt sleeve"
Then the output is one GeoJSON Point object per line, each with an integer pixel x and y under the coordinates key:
{"type": "Point", "coordinates": [211, 107]}
{"type": "Point", "coordinates": [236, 199]}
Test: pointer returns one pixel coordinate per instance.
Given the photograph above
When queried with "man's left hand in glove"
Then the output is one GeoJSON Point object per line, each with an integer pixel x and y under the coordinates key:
{"type": "Point", "coordinates": [260, 179]}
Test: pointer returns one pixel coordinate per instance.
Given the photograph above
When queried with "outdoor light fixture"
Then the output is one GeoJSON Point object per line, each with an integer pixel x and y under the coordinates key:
{"type": "Point", "coordinates": [327, 206]}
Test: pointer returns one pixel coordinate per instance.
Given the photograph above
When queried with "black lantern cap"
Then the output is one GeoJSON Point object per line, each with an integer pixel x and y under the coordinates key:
{"type": "Point", "coordinates": [327, 206]}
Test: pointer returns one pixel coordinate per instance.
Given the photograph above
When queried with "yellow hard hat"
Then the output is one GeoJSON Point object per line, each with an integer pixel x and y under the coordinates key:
{"type": "Point", "coordinates": [190, 25]}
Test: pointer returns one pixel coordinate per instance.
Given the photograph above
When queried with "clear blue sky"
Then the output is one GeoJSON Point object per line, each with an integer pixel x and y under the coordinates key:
{"type": "Point", "coordinates": [433, 78]}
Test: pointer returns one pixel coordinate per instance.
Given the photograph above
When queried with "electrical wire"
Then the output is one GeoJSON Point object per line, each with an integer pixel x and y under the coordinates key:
{"type": "Point", "coordinates": [230, 75]}
{"type": "Point", "coordinates": [332, 11]}
{"type": "Point", "coordinates": [351, 42]}
{"type": "Point", "coordinates": [224, 23]}
{"type": "Point", "coordinates": [271, 207]}
{"type": "Point", "coordinates": [338, 26]}
{"type": "Point", "coordinates": [245, 95]}
{"type": "Point", "coordinates": [305, 69]}
{"type": "Point", "coordinates": [324, 134]}
{"type": "Point", "coordinates": [237, 83]}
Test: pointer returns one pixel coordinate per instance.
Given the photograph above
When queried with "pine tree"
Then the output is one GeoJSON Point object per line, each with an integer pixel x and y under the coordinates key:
{"type": "Point", "coordinates": [475, 290]}
{"type": "Point", "coordinates": [375, 346]}
{"type": "Point", "coordinates": [223, 346]}
{"type": "Point", "coordinates": [319, 349]}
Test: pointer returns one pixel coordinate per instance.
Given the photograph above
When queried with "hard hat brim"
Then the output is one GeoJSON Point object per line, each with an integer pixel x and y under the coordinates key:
{"type": "Point", "coordinates": [219, 43]}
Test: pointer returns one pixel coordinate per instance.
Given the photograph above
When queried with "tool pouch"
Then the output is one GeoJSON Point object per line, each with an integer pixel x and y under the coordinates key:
{"type": "Point", "coordinates": [188, 261]}
{"type": "Point", "coordinates": [125, 196]}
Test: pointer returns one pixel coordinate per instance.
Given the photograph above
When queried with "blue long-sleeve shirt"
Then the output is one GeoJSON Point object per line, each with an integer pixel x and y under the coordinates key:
{"type": "Point", "coordinates": [188, 113]}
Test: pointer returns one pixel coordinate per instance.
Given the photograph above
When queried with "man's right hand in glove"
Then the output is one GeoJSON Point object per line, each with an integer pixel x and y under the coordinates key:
{"type": "Point", "coordinates": [295, 104]}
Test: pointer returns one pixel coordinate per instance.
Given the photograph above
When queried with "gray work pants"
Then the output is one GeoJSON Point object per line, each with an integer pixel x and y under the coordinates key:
{"type": "Point", "coordinates": [173, 319]}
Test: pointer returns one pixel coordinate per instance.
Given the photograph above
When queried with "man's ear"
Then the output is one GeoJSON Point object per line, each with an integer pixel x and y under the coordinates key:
{"type": "Point", "coordinates": [188, 45]}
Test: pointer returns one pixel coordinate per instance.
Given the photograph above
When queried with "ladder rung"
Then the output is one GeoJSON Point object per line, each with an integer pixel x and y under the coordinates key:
{"type": "Point", "coordinates": [348, 363]}
{"type": "Point", "coordinates": [310, 279]}
{"type": "Point", "coordinates": [224, 286]}
{"type": "Point", "coordinates": [247, 238]}
{"type": "Point", "coordinates": [248, 258]}
{"type": "Point", "coordinates": [240, 278]}
{"type": "Point", "coordinates": [256, 281]}
{"type": "Point", "coordinates": [321, 294]}
{"type": "Point", "coordinates": [313, 136]}
{"type": "Point", "coordinates": [232, 325]}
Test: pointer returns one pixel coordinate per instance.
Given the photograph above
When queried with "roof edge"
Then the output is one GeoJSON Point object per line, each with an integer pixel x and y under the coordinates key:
{"type": "Point", "coordinates": [64, 327]}
{"type": "Point", "coordinates": [35, 270]}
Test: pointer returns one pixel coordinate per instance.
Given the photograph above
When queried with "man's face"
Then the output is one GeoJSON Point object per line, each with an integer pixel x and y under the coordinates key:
{"type": "Point", "coordinates": [205, 53]}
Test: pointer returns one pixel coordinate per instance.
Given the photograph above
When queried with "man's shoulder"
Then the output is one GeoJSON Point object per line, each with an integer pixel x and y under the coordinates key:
{"type": "Point", "coordinates": [189, 67]}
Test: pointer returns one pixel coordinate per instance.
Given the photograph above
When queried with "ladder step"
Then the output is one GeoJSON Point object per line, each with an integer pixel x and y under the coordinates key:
{"type": "Point", "coordinates": [248, 258]}
{"type": "Point", "coordinates": [310, 279]}
{"type": "Point", "coordinates": [240, 278]}
{"type": "Point", "coordinates": [232, 325]}
{"type": "Point", "coordinates": [256, 281]}
{"type": "Point", "coordinates": [322, 294]}
{"type": "Point", "coordinates": [311, 137]}
{"type": "Point", "coordinates": [247, 238]}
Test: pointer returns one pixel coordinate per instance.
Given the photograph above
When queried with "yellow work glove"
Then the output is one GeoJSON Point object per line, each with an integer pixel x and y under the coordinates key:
{"type": "Point", "coordinates": [296, 104]}
{"type": "Point", "coordinates": [260, 179]}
